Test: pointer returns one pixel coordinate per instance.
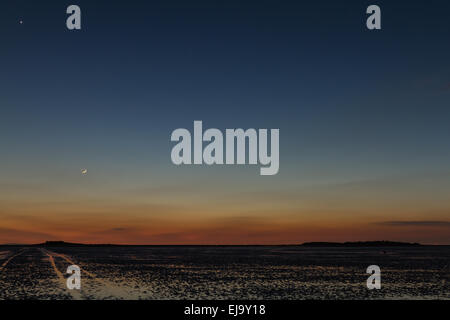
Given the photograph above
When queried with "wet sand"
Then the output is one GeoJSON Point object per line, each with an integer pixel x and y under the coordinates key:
{"type": "Point", "coordinates": [190, 272]}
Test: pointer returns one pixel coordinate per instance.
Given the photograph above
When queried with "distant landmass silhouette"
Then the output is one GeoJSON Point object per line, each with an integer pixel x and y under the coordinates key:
{"type": "Point", "coordinates": [306, 244]}
{"type": "Point", "coordinates": [361, 244]}
{"type": "Point", "coordinates": [71, 244]}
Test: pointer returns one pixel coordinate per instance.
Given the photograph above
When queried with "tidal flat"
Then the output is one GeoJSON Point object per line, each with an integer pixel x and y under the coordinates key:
{"type": "Point", "coordinates": [224, 272]}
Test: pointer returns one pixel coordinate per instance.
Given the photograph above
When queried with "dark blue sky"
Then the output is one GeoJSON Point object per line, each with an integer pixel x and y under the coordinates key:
{"type": "Point", "coordinates": [136, 71]}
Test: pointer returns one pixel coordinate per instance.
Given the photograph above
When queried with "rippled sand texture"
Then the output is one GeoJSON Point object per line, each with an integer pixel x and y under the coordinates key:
{"type": "Point", "coordinates": [285, 272]}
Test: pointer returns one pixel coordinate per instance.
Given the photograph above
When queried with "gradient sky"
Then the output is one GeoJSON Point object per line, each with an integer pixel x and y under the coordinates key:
{"type": "Point", "coordinates": [363, 117]}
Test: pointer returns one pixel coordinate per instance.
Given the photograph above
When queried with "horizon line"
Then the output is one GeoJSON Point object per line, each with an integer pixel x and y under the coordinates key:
{"type": "Point", "coordinates": [311, 244]}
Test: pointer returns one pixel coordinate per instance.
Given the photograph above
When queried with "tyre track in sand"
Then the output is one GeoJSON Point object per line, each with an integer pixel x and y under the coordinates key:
{"type": "Point", "coordinates": [76, 295]}
{"type": "Point", "coordinates": [3, 266]}
{"type": "Point", "coordinates": [110, 289]}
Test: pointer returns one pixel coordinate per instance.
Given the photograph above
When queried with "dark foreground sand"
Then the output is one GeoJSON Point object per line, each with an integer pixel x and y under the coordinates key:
{"type": "Point", "coordinates": [284, 272]}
